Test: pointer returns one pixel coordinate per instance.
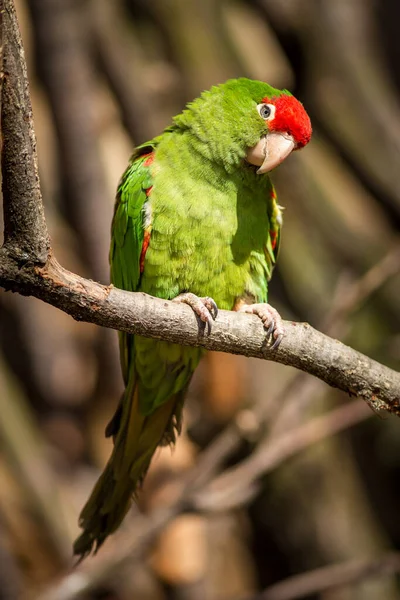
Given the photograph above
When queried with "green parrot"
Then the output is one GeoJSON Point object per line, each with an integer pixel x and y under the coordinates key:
{"type": "Point", "coordinates": [196, 220]}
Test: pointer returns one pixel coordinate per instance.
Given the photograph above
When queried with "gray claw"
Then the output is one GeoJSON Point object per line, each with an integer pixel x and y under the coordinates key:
{"type": "Point", "coordinates": [270, 318]}
{"type": "Point", "coordinates": [205, 308]}
{"type": "Point", "coordinates": [209, 321]}
{"type": "Point", "coordinates": [212, 306]}
{"type": "Point", "coordinates": [271, 328]}
{"type": "Point", "coordinates": [277, 342]}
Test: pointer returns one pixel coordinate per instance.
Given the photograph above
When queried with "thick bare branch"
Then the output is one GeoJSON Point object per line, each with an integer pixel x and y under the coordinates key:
{"type": "Point", "coordinates": [24, 224]}
{"type": "Point", "coordinates": [302, 347]}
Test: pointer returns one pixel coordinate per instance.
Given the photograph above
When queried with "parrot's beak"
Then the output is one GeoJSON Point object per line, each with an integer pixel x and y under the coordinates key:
{"type": "Point", "coordinates": [270, 151]}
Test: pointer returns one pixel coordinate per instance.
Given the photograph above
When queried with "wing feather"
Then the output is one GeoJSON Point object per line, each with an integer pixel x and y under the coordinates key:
{"type": "Point", "coordinates": [127, 231]}
{"type": "Point", "coordinates": [274, 234]}
{"type": "Point", "coordinates": [128, 234]}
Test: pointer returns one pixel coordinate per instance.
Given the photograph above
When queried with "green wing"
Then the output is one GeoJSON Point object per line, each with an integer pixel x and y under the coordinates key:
{"type": "Point", "coordinates": [274, 234]}
{"type": "Point", "coordinates": [128, 231]}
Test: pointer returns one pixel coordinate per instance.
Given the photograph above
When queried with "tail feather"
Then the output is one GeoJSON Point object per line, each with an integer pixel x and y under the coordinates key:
{"type": "Point", "coordinates": [135, 443]}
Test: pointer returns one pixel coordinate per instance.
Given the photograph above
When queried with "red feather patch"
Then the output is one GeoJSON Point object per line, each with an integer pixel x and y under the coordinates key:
{"type": "Point", "coordinates": [146, 238]}
{"type": "Point", "coordinates": [290, 117]}
{"type": "Point", "coordinates": [148, 160]}
{"type": "Point", "coordinates": [273, 236]}
{"type": "Point", "coordinates": [146, 242]}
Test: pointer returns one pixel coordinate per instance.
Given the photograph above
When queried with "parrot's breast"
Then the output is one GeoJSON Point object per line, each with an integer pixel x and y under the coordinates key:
{"type": "Point", "coordinates": [209, 230]}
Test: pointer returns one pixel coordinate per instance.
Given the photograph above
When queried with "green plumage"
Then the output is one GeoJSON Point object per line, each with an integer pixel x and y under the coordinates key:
{"type": "Point", "coordinates": [213, 226]}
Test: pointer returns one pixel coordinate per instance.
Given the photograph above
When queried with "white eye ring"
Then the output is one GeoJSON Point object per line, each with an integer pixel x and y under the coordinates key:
{"type": "Point", "coordinates": [266, 111]}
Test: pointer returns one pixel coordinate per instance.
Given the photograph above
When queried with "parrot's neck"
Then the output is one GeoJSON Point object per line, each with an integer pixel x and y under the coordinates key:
{"type": "Point", "coordinates": [229, 158]}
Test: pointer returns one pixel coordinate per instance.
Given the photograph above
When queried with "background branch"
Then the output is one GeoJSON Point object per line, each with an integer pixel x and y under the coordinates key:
{"type": "Point", "coordinates": [333, 576]}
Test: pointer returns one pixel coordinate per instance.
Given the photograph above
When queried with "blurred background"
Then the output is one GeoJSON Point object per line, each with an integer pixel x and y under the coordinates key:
{"type": "Point", "coordinates": [287, 475]}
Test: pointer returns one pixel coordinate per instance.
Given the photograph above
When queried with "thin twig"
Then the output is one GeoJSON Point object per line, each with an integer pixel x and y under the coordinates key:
{"type": "Point", "coordinates": [331, 577]}
{"type": "Point", "coordinates": [224, 491]}
{"type": "Point", "coordinates": [352, 295]}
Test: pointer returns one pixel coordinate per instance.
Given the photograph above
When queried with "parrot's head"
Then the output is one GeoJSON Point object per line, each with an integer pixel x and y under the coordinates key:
{"type": "Point", "coordinates": [246, 120]}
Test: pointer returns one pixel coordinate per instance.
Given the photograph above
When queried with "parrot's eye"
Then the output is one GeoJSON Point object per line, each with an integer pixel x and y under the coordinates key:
{"type": "Point", "coordinates": [266, 111]}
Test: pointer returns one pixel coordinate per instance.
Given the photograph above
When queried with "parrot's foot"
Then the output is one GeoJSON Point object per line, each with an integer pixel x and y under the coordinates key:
{"type": "Point", "coordinates": [205, 308]}
{"type": "Point", "coordinates": [271, 319]}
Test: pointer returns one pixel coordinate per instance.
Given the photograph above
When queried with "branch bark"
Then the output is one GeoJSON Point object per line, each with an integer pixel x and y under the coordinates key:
{"type": "Point", "coordinates": [27, 266]}
{"type": "Point", "coordinates": [25, 228]}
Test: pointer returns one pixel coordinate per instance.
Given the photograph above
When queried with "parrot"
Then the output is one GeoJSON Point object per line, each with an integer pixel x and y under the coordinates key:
{"type": "Point", "coordinates": [197, 221]}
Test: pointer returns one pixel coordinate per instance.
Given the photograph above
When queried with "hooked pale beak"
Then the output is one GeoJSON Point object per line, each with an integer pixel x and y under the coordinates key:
{"type": "Point", "coordinates": [270, 151]}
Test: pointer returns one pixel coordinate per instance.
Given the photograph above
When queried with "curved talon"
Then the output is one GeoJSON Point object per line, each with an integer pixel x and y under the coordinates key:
{"type": "Point", "coordinates": [205, 308]}
{"type": "Point", "coordinates": [271, 320]}
{"type": "Point", "coordinates": [211, 305]}
{"type": "Point", "coordinates": [207, 319]}
{"type": "Point", "coordinates": [277, 342]}
{"type": "Point", "coordinates": [271, 328]}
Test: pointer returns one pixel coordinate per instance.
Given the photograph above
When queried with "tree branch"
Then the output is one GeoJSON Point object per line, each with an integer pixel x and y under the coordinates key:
{"type": "Point", "coordinates": [27, 266]}
{"type": "Point", "coordinates": [24, 223]}
{"type": "Point", "coordinates": [227, 489]}
{"type": "Point", "coordinates": [331, 577]}
{"type": "Point", "coordinates": [302, 347]}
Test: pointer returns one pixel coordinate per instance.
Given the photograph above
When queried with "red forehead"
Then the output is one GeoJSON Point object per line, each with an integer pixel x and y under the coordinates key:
{"type": "Point", "coordinates": [290, 116]}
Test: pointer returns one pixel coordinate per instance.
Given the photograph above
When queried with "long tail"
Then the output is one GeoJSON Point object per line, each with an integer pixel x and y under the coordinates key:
{"type": "Point", "coordinates": [135, 442]}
